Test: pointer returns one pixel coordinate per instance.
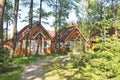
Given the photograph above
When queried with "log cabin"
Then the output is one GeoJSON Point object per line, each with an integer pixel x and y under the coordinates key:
{"type": "Point", "coordinates": [64, 40]}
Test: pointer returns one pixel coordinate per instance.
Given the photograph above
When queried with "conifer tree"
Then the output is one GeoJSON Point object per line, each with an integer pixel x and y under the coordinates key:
{"type": "Point", "coordinates": [14, 38]}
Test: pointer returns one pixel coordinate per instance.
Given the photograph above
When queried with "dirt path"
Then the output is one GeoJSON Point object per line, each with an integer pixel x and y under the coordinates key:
{"type": "Point", "coordinates": [34, 70]}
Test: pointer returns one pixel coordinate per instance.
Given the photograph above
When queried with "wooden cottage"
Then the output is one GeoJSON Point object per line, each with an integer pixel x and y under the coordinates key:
{"type": "Point", "coordinates": [38, 35]}
{"type": "Point", "coordinates": [63, 41]}
{"type": "Point", "coordinates": [66, 39]}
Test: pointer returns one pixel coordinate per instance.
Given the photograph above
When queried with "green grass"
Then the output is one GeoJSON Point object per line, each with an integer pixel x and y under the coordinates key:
{"type": "Point", "coordinates": [13, 71]}
{"type": "Point", "coordinates": [10, 72]}
{"type": "Point", "coordinates": [25, 60]}
{"type": "Point", "coordinates": [56, 69]}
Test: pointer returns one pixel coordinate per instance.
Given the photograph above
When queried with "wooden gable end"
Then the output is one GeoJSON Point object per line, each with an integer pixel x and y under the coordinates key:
{"type": "Point", "coordinates": [45, 32]}
{"type": "Point", "coordinates": [73, 35]}
{"type": "Point", "coordinates": [34, 32]}
{"type": "Point", "coordinates": [69, 34]}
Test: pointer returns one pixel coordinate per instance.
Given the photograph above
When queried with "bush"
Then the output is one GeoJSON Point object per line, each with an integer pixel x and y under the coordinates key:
{"type": "Point", "coordinates": [78, 59]}
{"type": "Point", "coordinates": [105, 54]}
{"type": "Point", "coordinates": [4, 55]}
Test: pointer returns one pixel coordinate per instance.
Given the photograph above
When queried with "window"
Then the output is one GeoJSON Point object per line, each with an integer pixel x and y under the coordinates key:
{"type": "Point", "coordinates": [34, 44]}
{"type": "Point", "coordinates": [18, 45]}
{"type": "Point", "coordinates": [46, 44]}
{"type": "Point", "coordinates": [68, 45]}
{"type": "Point", "coordinates": [24, 43]}
{"type": "Point", "coordinates": [60, 45]}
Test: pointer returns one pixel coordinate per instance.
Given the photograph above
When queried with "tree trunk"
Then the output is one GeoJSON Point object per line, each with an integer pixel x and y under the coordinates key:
{"type": "Point", "coordinates": [16, 7]}
{"type": "Point", "coordinates": [2, 6]}
{"type": "Point", "coordinates": [38, 45]}
{"type": "Point", "coordinates": [7, 30]}
{"type": "Point", "coordinates": [60, 15]}
{"type": "Point", "coordinates": [28, 43]}
{"type": "Point", "coordinates": [56, 21]}
{"type": "Point", "coordinates": [89, 21]}
{"type": "Point", "coordinates": [116, 16]}
{"type": "Point", "coordinates": [40, 14]}
{"type": "Point", "coordinates": [101, 18]}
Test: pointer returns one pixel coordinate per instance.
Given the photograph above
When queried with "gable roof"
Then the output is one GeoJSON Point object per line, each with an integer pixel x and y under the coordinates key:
{"type": "Point", "coordinates": [26, 29]}
{"type": "Point", "coordinates": [38, 33]}
{"type": "Point", "coordinates": [65, 33]}
{"type": "Point", "coordinates": [45, 31]}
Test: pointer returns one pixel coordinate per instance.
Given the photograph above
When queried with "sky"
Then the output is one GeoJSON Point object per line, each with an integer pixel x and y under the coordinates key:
{"type": "Point", "coordinates": [24, 12]}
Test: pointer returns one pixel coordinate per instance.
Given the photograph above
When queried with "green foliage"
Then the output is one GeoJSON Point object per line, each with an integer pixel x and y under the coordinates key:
{"type": "Point", "coordinates": [77, 59]}
{"type": "Point", "coordinates": [61, 11]}
{"type": "Point", "coordinates": [103, 64]}
{"type": "Point", "coordinates": [4, 56]}
{"type": "Point", "coordinates": [8, 14]}
{"type": "Point", "coordinates": [105, 54]}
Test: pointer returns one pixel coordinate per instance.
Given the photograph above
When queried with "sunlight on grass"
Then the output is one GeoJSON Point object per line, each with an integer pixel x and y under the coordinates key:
{"type": "Point", "coordinates": [56, 69]}
{"type": "Point", "coordinates": [61, 74]}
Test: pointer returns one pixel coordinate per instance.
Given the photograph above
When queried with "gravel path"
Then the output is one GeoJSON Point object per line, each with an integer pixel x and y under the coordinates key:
{"type": "Point", "coordinates": [34, 70]}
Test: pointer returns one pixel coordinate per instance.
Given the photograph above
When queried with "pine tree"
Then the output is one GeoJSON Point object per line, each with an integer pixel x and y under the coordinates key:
{"type": "Point", "coordinates": [39, 36]}
{"type": "Point", "coordinates": [14, 38]}
{"type": "Point", "coordinates": [2, 7]}
{"type": "Point", "coordinates": [8, 16]}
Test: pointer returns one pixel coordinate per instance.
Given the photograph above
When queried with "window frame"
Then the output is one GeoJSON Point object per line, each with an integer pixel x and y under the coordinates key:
{"type": "Point", "coordinates": [47, 44]}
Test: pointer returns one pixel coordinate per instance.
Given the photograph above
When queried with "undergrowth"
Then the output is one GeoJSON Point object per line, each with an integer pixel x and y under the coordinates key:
{"type": "Point", "coordinates": [103, 64]}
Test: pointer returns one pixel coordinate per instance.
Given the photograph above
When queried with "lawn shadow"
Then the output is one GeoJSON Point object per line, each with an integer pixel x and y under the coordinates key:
{"type": "Point", "coordinates": [9, 68]}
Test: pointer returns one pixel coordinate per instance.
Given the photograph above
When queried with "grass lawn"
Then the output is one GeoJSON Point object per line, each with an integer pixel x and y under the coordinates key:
{"type": "Point", "coordinates": [58, 69]}
{"type": "Point", "coordinates": [13, 71]}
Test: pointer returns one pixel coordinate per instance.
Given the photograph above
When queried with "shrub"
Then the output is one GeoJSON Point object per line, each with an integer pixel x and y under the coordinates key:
{"type": "Point", "coordinates": [105, 54]}
{"type": "Point", "coordinates": [4, 55]}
